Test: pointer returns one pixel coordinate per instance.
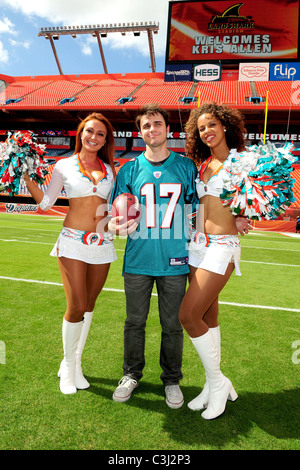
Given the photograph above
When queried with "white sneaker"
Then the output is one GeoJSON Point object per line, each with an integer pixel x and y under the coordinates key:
{"type": "Point", "coordinates": [174, 396]}
{"type": "Point", "coordinates": [125, 388]}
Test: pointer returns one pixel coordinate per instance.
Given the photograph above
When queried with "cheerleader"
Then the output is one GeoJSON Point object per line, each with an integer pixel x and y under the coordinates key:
{"type": "Point", "coordinates": [214, 251]}
{"type": "Point", "coordinates": [251, 182]}
{"type": "Point", "coordinates": [84, 248]}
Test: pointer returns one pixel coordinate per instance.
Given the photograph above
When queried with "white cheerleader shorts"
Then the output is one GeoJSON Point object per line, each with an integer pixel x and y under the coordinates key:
{"type": "Point", "coordinates": [89, 247]}
{"type": "Point", "coordinates": [214, 252]}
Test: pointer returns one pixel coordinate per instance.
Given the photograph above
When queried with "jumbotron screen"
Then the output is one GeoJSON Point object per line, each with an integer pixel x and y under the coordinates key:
{"type": "Point", "coordinates": [224, 30]}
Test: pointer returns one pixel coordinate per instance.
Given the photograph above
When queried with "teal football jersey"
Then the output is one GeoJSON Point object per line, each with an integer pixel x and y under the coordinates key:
{"type": "Point", "coordinates": [159, 246]}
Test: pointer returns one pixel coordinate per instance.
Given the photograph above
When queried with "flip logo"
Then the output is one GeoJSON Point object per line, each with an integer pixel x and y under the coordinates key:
{"type": "Point", "coordinates": [285, 71]}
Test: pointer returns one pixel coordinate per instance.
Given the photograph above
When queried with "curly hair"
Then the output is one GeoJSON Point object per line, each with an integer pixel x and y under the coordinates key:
{"type": "Point", "coordinates": [106, 153]}
{"type": "Point", "coordinates": [230, 118]}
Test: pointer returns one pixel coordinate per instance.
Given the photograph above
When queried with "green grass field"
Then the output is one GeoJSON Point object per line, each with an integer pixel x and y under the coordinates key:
{"type": "Point", "coordinates": [259, 319]}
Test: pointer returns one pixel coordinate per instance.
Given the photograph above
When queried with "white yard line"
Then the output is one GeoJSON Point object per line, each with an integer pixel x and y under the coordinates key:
{"type": "Point", "coordinates": [272, 264]}
{"type": "Point", "coordinates": [234, 304]}
{"type": "Point", "coordinates": [267, 248]}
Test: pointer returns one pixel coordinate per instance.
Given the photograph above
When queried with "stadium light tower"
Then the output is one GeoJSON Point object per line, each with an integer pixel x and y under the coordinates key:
{"type": "Point", "coordinates": [100, 31]}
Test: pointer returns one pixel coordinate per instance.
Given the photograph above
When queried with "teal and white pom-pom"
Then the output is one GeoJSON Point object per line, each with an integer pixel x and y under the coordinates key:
{"type": "Point", "coordinates": [258, 183]}
{"type": "Point", "coordinates": [21, 154]}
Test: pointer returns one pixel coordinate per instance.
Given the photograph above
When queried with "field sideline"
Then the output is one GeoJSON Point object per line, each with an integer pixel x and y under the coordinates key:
{"type": "Point", "coordinates": [259, 319]}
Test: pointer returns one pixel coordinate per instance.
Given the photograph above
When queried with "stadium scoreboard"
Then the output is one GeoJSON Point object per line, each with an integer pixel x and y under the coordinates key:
{"type": "Point", "coordinates": [227, 31]}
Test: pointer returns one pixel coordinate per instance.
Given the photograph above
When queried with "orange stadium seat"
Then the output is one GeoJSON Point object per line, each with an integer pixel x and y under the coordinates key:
{"type": "Point", "coordinates": [22, 89]}
{"type": "Point", "coordinates": [155, 90]}
{"type": "Point", "coordinates": [231, 93]}
{"type": "Point", "coordinates": [106, 92]}
{"type": "Point", "coordinates": [49, 93]}
{"type": "Point", "coordinates": [281, 94]}
{"type": "Point", "coordinates": [91, 91]}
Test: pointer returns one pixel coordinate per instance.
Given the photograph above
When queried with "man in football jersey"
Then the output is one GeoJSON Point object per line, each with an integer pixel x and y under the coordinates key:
{"type": "Point", "coordinates": [156, 251]}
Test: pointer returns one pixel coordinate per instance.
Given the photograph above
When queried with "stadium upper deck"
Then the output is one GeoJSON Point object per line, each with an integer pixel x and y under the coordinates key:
{"type": "Point", "coordinates": [58, 101]}
{"type": "Point", "coordinates": [108, 90]}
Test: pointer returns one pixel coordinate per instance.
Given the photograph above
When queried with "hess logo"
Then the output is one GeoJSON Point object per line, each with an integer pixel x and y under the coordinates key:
{"type": "Point", "coordinates": [207, 72]}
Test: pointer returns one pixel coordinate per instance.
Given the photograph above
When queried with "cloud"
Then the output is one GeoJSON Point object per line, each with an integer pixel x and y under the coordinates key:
{"type": "Point", "coordinates": [25, 44]}
{"type": "Point", "coordinates": [86, 49]}
{"type": "Point", "coordinates": [76, 12]}
{"type": "Point", "coordinates": [6, 26]}
{"type": "Point", "coordinates": [3, 54]}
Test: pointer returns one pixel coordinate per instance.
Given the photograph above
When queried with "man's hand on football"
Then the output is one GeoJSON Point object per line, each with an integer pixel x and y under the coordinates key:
{"type": "Point", "coordinates": [117, 228]}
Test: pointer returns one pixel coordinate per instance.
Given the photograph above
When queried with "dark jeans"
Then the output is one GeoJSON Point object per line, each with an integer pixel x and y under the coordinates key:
{"type": "Point", "coordinates": [138, 290]}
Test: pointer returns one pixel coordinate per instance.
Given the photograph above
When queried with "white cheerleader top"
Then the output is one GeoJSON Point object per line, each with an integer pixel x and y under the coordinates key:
{"type": "Point", "coordinates": [215, 184]}
{"type": "Point", "coordinates": [69, 174]}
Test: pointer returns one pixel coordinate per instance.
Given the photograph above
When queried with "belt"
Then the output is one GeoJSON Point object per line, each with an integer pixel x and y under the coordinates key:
{"type": "Point", "coordinates": [87, 238]}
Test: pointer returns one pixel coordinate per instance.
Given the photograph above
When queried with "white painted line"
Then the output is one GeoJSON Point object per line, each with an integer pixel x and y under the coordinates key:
{"type": "Point", "coordinates": [234, 304]}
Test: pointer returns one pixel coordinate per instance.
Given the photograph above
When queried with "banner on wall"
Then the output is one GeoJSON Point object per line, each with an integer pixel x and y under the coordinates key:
{"type": "Point", "coordinates": [18, 208]}
{"type": "Point", "coordinates": [222, 30]}
{"type": "Point", "coordinates": [207, 72]}
{"type": "Point", "coordinates": [258, 72]}
{"type": "Point", "coordinates": [285, 71]}
{"type": "Point", "coordinates": [291, 136]}
{"type": "Point", "coordinates": [178, 73]}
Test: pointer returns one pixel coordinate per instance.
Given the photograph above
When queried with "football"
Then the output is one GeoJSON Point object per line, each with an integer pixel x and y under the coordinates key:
{"type": "Point", "coordinates": [127, 206]}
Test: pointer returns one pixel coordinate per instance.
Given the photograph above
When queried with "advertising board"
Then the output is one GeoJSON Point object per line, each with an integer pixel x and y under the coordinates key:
{"type": "Point", "coordinates": [258, 72]}
{"type": "Point", "coordinates": [285, 71]}
{"type": "Point", "coordinates": [224, 30]}
{"type": "Point", "coordinates": [207, 72]}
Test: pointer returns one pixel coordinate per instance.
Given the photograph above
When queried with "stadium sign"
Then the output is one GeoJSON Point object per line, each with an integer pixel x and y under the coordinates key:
{"type": "Point", "coordinates": [136, 134]}
{"type": "Point", "coordinates": [178, 73]}
{"type": "Point", "coordinates": [20, 208]}
{"type": "Point", "coordinates": [212, 30]}
{"type": "Point", "coordinates": [285, 71]}
{"type": "Point", "coordinates": [207, 72]}
{"type": "Point", "coordinates": [258, 72]}
{"type": "Point", "coordinates": [274, 137]}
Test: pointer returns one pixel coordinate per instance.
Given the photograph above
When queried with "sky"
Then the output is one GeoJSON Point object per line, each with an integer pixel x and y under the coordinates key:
{"type": "Point", "coordinates": [23, 53]}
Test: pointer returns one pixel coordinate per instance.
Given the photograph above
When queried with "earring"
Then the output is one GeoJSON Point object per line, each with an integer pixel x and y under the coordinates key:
{"type": "Point", "coordinates": [224, 129]}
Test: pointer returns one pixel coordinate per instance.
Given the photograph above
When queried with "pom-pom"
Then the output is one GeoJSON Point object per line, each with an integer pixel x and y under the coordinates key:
{"type": "Point", "coordinates": [21, 153]}
{"type": "Point", "coordinates": [258, 182]}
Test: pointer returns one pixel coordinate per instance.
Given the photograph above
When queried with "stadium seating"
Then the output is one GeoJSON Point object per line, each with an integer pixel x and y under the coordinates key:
{"type": "Point", "coordinates": [22, 88]}
{"type": "Point", "coordinates": [231, 93]}
{"type": "Point", "coordinates": [106, 92]}
{"type": "Point", "coordinates": [98, 91]}
{"type": "Point", "coordinates": [281, 94]}
{"type": "Point", "coordinates": [131, 91]}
